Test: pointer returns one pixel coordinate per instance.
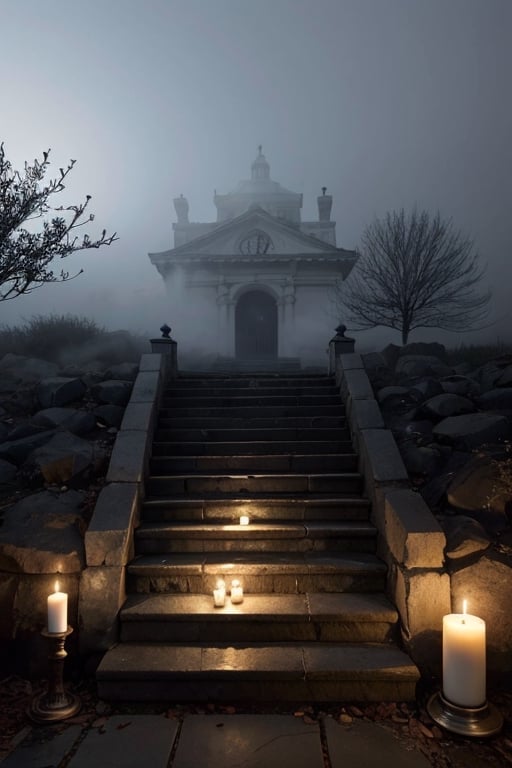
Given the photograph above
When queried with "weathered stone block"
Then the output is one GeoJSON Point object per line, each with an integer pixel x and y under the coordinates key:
{"type": "Point", "coordinates": [422, 599]}
{"type": "Point", "coordinates": [356, 385]}
{"type": "Point", "coordinates": [139, 416]}
{"type": "Point", "coordinates": [414, 537]}
{"type": "Point", "coordinates": [129, 457]}
{"type": "Point", "coordinates": [381, 460]}
{"type": "Point", "coordinates": [146, 387]}
{"type": "Point", "coordinates": [150, 362]}
{"type": "Point", "coordinates": [364, 414]}
{"type": "Point", "coordinates": [109, 538]}
{"type": "Point", "coordinates": [487, 586]}
{"type": "Point", "coordinates": [102, 593]}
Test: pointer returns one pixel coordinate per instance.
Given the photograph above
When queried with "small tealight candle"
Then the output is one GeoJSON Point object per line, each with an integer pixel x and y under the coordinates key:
{"type": "Point", "coordinates": [244, 520]}
{"type": "Point", "coordinates": [464, 659]}
{"type": "Point", "coordinates": [219, 594]}
{"type": "Point", "coordinates": [237, 593]}
{"type": "Point", "coordinates": [58, 611]}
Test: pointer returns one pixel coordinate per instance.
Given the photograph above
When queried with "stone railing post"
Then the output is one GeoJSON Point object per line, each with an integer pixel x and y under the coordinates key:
{"type": "Point", "coordinates": [168, 348]}
{"type": "Point", "coordinates": [339, 345]}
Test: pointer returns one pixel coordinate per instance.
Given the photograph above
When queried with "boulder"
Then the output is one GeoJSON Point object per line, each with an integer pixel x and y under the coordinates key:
{"type": "Point", "coordinates": [431, 348]}
{"type": "Point", "coordinates": [123, 372]}
{"type": "Point", "coordinates": [419, 460]}
{"type": "Point", "coordinates": [489, 374]}
{"type": "Point", "coordinates": [460, 385]}
{"type": "Point", "coordinates": [71, 419]}
{"type": "Point", "coordinates": [8, 472]}
{"type": "Point", "coordinates": [25, 430]}
{"type": "Point", "coordinates": [27, 369]}
{"type": "Point", "coordinates": [427, 387]}
{"type": "Point", "coordinates": [487, 586]}
{"type": "Point", "coordinates": [17, 451]}
{"type": "Point", "coordinates": [113, 391]}
{"type": "Point", "coordinates": [440, 406]}
{"type": "Point", "coordinates": [421, 365]}
{"type": "Point", "coordinates": [419, 428]}
{"type": "Point", "coordinates": [395, 393]}
{"type": "Point", "coordinates": [472, 430]}
{"type": "Point", "coordinates": [464, 536]}
{"type": "Point", "coordinates": [60, 391]}
{"type": "Point", "coordinates": [42, 534]}
{"type": "Point", "coordinates": [390, 355]}
{"type": "Point", "coordinates": [505, 380]}
{"type": "Point", "coordinates": [477, 489]}
{"type": "Point", "coordinates": [109, 415]}
{"type": "Point", "coordinates": [63, 458]}
{"type": "Point", "coordinates": [496, 400]}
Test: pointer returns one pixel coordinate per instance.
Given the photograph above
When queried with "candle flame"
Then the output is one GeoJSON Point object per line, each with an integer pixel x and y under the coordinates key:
{"type": "Point", "coordinates": [464, 607]}
{"type": "Point", "coordinates": [57, 586]}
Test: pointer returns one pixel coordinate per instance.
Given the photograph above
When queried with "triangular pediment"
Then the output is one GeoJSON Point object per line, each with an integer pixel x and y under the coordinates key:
{"type": "Point", "coordinates": [253, 235]}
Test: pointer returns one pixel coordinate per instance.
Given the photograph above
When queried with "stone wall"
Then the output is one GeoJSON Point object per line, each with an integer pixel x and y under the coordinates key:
{"type": "Point", "coordinates": [410, 540]}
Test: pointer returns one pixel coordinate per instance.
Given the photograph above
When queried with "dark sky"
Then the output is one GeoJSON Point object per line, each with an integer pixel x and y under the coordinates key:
{"type": "Point", "coordinates": [388, 103]}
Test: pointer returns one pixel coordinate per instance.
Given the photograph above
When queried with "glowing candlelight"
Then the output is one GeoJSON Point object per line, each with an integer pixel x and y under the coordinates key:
{"type": "Point", "coordinates": [219, 594]}
{"type": "Point", "coordinates": [58, 611]}
{"type": "Point", "coordinates": [244, 520]}
{"type": "Point", "coordinates": [464, 670]}
{"type": "Point", "coordinates": [237, 593]}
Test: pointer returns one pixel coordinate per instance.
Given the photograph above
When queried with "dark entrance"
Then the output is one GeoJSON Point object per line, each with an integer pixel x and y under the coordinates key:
{"type": "Point", "coordinates": [256, 326]}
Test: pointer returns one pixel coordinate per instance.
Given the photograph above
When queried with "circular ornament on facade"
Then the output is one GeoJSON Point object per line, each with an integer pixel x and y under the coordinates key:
{"type": "Point", "coordinates": [256, 243]}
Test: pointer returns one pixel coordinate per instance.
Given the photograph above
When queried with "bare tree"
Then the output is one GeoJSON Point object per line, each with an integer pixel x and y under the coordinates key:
{"type": "Point", "coordinates": [414, 271]}
{"type": "Point", "coordinates": [26, 254]}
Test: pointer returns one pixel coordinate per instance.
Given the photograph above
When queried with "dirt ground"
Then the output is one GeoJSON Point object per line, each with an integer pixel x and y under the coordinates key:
{"type": "Point", "coordinates": [410, 723]}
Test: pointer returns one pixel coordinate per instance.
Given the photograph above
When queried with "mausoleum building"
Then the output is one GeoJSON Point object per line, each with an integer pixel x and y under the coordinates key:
{"type": "Point", "coordinates": [255, 286]}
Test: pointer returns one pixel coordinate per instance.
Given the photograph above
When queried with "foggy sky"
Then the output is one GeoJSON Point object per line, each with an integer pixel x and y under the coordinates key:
{"type": "Point", "coordinates": [388, 103]}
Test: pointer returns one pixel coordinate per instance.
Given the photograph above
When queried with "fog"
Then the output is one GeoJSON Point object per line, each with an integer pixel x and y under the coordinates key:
{"type": "Point", "coordinates": [387, 103]}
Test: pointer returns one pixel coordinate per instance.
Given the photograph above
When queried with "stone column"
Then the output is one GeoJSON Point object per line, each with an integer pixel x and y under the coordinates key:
{"type": "Point", "coordinates": [169, 349]}
{"type": "Point", "coordinates": [287, 343]}
{"type": "Point", "coordinates": [223, 313]}
{"type": "Point", "coordinates": [339, 345]}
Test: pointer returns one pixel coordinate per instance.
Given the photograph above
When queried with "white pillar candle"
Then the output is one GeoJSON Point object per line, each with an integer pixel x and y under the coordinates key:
{"type": "Point", "coordinates": [58, 611]}
{"type": "Point", "coordinates": [464, 671]}
{"type": "Point", "coordinates": [237, 593]}
{"type": "Point", "coordinates": [219, 594]}
{"type": "Point", "coordinates": [244, 520]}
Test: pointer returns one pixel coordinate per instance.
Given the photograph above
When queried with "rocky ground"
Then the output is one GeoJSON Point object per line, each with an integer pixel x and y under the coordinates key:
{"type": "Point", "coordinates": [410, 723]}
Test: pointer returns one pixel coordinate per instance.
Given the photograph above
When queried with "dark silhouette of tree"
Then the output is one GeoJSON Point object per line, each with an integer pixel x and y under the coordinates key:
{"type": "Point", "coordinates": [413, 271]}
{"type": "Point", "coordinates": [28, 248]}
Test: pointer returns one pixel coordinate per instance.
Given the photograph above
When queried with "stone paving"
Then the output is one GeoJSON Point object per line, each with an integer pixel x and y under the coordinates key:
{"type": "Point", "coordinates": [215, 741]}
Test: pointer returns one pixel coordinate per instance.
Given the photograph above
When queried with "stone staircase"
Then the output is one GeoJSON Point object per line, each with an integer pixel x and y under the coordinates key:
{"type": "Point", "coordinates": [315, 624]}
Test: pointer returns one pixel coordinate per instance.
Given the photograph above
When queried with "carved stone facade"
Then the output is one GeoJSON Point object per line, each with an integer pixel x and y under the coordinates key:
{"type": "Point", "coordinates": [255, 284]}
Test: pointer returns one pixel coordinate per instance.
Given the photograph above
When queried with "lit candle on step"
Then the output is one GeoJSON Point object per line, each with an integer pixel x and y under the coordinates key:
{"type": "Point", "coordinates": [57, 611]}
{"type": "Point", "coordinates": [464, 659]}
{"type": "Point", "coordinates": [237, 593]}
{"type": "Point", "coordinates": [244, 520]}
{"type": "Point", "coordinates": [219, 594]}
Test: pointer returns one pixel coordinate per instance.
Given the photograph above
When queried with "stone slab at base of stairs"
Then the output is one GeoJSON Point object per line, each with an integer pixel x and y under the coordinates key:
{"type": "Point", "coordinates": [256, 672]}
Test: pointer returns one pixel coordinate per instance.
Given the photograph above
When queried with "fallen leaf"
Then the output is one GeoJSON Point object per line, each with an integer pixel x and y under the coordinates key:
{"type": "Point", "coordinates": [345, 719]}
{"type": "Point", "coordinates": [123, 725]}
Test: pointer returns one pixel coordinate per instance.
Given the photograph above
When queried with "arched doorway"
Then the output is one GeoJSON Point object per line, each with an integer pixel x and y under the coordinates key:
{"type": "Point", "coordinates": [256, 326]}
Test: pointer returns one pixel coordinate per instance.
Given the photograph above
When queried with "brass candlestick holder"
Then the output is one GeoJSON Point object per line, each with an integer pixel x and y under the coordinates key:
{"type": "Point", "coordinates": [56, 703]}
{"type": "Point", "coordinates": [481, 722]}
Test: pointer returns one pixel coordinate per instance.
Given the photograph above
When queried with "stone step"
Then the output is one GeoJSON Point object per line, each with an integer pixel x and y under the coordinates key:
{"type": "Point", "coordinates": [286, 536]}
{"type": "Point", "coordinates": [261, 618]}
{"type": "Point", "coordinates": [255, 485]}
{"type": "Point", "coordinates": [279, 463]}
{"type": "Point", "coordinates": [250, 422]}
{"type": "Point", "coordinates": [234, 393]}
{"type": "Point", "coordinates": [228, 401]}
{"type": "Point", "coordinates": [298, 672]}
{"type": "Point", "coordinates": [229, 510]}
{"type": "Point", "coordinates": [249, 435]}
{"type": "Point", "coordinates": [250, 382]}
{"type": "Point", "coordinates": [173, 408]}
{"type": "Point", "coordinates": [255, 448]}
{"type": "Point", "coordinates": [260, 572]}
